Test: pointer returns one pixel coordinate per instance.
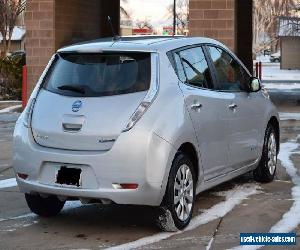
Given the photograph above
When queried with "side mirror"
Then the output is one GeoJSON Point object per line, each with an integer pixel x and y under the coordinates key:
{"type": "Point", "coordinates": [255, 85]}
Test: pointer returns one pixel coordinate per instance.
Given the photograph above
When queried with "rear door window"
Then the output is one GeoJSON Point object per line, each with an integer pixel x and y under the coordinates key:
{"type": "Point", "coordinates": [195, 67]}
{"type": "Point", "coordinates": [94, 75]}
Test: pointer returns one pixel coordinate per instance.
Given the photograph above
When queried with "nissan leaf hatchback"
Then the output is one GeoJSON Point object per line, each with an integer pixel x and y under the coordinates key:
{"type": "Point", "coordinates": [145, 121]}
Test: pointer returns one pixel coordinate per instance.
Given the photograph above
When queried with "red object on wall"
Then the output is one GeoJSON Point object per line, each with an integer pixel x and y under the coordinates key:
{"type": "Point", "coordinates": [24, 87]}
{"type": "Point", "coordinates": [258, 70]}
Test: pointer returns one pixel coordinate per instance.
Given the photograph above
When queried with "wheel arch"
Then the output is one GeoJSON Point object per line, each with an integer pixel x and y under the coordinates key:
{"type": "Point", "coordinates": [190, 150]}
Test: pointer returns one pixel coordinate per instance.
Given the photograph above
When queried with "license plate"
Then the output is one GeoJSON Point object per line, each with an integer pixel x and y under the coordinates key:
{"type": "Point", "coordinates": [69, 176]}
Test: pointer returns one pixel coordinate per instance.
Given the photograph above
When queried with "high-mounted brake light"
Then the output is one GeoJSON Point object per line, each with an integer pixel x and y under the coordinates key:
{"type": "Point", "coordinates": [149, 98]}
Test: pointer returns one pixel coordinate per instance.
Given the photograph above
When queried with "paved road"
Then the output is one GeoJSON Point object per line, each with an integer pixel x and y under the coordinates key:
{"type": "Point", "coordinates": [220, 214]}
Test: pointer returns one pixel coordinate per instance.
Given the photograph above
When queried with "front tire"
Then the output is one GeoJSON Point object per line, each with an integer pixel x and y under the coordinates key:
{"type": "Point", "coordinates": [176, 209]}
{"type": "Point", "coordinates": [266, 170]}
{"type": "Point", "coordinates": [45, 207]}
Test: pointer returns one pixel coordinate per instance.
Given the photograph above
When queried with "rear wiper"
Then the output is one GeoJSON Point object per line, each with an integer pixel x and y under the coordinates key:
{"type": "Point", "coordinates": [72, 88]}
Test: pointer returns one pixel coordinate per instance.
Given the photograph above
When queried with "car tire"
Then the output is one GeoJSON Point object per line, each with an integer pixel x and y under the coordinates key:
{"type": "Point", "coordinates": [45, 207]}
{"type": "Point", "coordinates": [177, 206]}
{"type": "Point", "coordinates": [266, 170]}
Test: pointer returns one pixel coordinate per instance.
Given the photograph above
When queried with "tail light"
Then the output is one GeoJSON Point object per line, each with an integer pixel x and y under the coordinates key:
{"type": "Point", "coordinates": [149, 98]}
{"type": "Point", "coordinates": [30, 105]}
{"type": "Point", "coordinates": [28, 113]}
{"type": "Point", "coordinates": [142, 108]}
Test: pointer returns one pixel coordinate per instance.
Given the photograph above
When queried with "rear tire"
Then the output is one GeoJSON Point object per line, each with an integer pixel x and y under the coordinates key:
{"type": "Point", "coordinates": [266, 170]}
{"type": "Point", "coordinates": [177, 206]}
{"type": "Point", "coordinates": [45, 207]}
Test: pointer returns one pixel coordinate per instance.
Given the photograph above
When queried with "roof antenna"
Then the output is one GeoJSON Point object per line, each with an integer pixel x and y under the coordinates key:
{"type": "Point", "coordinates": [115, 36]}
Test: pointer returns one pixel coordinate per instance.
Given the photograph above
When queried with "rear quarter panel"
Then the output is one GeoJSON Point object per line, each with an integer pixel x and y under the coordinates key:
{"type": "Point", "coordinates": [167, 117]}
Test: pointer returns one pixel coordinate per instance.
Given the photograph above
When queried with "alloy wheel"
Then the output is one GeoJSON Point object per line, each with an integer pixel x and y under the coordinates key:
{"type": "Point", "coordinates": [272, 153]}
{"type": "Point", "coordinates": [183, 192]}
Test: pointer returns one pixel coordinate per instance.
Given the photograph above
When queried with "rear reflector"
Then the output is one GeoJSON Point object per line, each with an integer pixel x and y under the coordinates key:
{"type": "Point", "coordinates": [22, 176]}
{"type": "Point", "coordinates": [125, 186]}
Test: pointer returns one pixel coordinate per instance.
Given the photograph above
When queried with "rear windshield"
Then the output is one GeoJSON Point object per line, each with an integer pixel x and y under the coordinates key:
{"type": "Point", "coordinates": [94, 75]}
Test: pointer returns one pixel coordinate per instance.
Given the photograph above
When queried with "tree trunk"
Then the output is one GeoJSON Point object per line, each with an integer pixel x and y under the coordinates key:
{"type": "Point", "coordinates": [9, 41]}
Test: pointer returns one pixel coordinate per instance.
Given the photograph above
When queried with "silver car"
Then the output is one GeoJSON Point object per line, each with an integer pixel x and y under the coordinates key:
{"type": "Point", "coordinates": [145, 121]}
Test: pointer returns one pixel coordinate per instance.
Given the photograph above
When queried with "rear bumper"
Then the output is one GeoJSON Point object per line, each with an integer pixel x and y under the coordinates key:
{"type": "Point", "coordinates": [144, 195]}
{"type": "Point", "coordinates": [138, 156]}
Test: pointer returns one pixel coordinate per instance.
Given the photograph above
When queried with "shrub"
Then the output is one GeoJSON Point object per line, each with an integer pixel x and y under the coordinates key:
{"type": "Point", "coordinates": [11, 78]}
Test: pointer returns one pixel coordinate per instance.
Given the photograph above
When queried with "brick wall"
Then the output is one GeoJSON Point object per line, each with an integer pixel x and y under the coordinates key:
{"type": "Point", "coordinates": [76, 20]}
{"type": "Point", "coordinates": [39, 20]}
{"type": "Point", "coordinates": [213, 18]}
{"type": "Point", "coordinates": [52, 24]}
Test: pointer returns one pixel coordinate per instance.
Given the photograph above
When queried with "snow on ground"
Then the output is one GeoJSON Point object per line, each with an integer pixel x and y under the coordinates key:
{"type": "Point", "coordinates": [273, 72]}
{"type": "Point", "coordinates": [8, 183]}
{"type": "Point", "coordinates": [10, 102]}
{"type": "Point", "coordinates": [10, 109]}
{"type": "Point", "coordinates": [289, 116]}
{"type": "Point", "coordinates": [262, 58]}
{"type": "Point", "coordinates": [29, 219]}
{"type": "Point", "coordinates": [291, 219]}
{"type": "Point", "coordinates": [233, 198]}
{"type": "Point", "coordinates": [280, 86]}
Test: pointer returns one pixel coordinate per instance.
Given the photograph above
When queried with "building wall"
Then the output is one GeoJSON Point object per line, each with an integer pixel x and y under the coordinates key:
{"type": "Point", "coordinates": [40, 37]}
{"type": "Point", "coordinates": [290, 48]}
{"type": "Point", "coordinates": [229, 21]}
{"type": "Point", "coordinates": [76, 20]}
{"type": "Point", "coordinates": [213, 18]}
{"type": "Point", "coordinates": [52, 24]}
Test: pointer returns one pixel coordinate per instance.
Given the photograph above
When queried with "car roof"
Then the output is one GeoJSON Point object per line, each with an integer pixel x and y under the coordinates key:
{"type": "Point", "coordinates": [137, 43]}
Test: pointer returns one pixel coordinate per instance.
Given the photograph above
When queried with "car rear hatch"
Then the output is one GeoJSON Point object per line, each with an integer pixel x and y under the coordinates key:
{"type": "Point", "coordinates": [87, 99]}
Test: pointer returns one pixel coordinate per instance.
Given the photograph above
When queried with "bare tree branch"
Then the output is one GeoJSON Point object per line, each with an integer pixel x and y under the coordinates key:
{"type": "Point", "coordinates": [9, 12]}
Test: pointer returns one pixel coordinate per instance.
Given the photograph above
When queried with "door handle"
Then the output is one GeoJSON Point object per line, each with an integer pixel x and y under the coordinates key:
{"type": "Point", "coordinates": [196, 106]}
{"type": "Point", "coordinates": [232, 106]}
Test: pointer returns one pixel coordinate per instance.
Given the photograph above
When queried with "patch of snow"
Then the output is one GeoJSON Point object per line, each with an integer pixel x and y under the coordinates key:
{"type": "Point", "coordinates": [8, 183]}
{"type": "Point", "coordinates": [9, 117]}
{"type": "Point", "coordinates": [291, 219]}
{"type": "Point", "coordinates": [282, 86]}
{"type": "Point", "coordinates": [10, 102]}
{"type": "Point", "coordinates": [275, 73]}
{"type": "Point", "coordinates": [30, 218]}
{"type": "Point", "coordinates": [18, 34]}
{"type": "Point", "coordinates": [10, 109]}
{"type": "Point", "coordinates": [208, 247]}
{"type": "Point", "coordinates": [262, 58]}
{"type": "Point", "coordinates": [69, 205]}
{"type": "Point", "coordinates": [233, 197]}
{"type": "Point", "coordinates": [289, 116]}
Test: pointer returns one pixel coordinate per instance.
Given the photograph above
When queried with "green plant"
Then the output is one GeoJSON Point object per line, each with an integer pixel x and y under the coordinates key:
{"type": "Point", "coordinates": [10, 78]}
